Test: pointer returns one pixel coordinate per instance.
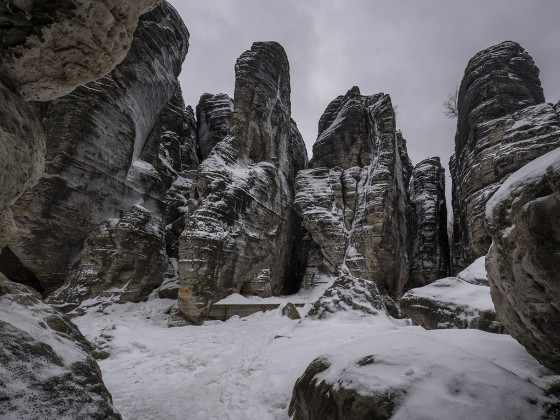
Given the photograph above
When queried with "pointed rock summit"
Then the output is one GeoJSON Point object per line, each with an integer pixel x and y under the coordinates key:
{"type": "Point", "coordinates": [240, 238]}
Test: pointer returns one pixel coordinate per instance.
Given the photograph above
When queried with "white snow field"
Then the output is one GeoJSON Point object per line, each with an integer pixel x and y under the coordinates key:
{"type": "Point", "coordinates": [245, 368]}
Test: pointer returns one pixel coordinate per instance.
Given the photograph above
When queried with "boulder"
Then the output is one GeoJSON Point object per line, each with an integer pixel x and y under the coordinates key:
{"type": "Point", "coordinates": [47, 369]}
{"type": "Point", "coordinates": [503, 123]}
{"type": "Point", "coordinates": [240, 237]}
{"type": "Point", "coordinates": [47, 49]}
{"type": "Point", "coordinates": [451, 303]}
{"type": "Point", "coordinates": [523, 264]}
{"type": "Point", "coordinates": [430, 245]}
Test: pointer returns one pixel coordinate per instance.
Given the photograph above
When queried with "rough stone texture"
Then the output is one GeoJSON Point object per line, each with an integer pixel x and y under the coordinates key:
{"type": "Point", "coordinates": [213, 113]}
{"type": "Point", "coordinates": [46, 369]}
{"type": "Point", "coordinates": [105, 152]}
{"type": "Point", "coordinates": [122, 261]}
{"type": "Point", "coordinates": [240, 237]}
{"type": "Point", "coordinates": [451, 303]}
{"type": "Point", "coordinates": [354, 201]}
{"type": "Point", "coordinates": [48, 48]}
{"type": "Point", "coordinates": [502, 125]}
{"type": "Point", "coordinates": [290, 311]}
{"type": "Point", "coordinates": [348, 294]}
{"type": "Point", "coordinates": [22, 146]}
{"type": "Point", "coordinates": [523, 263]}
{"type": "Point", "coordinates": [430, 246]}
{"type": "Point", "coordinates": [313, 399]}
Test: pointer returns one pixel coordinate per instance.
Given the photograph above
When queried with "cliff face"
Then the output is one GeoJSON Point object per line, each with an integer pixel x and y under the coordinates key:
{"type": "Point", "coordinates": [503, 124]}
{"type": "Point", "coordinates": [240, 237]}
{"type": "Point", "coordinates": [354, 200]}
{"type": "Point", "coordinates": [430, 246]}
{"type": "Point", "coordinates": [106, 151]}
{"type": "Point", "coordinates": [523, 264]}
{"type": "Point", "coordinates": [213, 113]}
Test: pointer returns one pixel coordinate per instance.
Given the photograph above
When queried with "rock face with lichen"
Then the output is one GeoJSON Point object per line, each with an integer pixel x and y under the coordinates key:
{"type": "Point", "coordinates": [354, 199]}
{"type": "Point", "coordinates": [523, 264]}
{"type": "Point", "coordinates": [47, 368]}
{"type": "Point", "coordinates": [118, 142]}
{"type": "Point", "coordinates": [240, 238]}
{"type": "Point", "coordinates": [503, 123]}
{"type": "Point", "coordinates": [430, 246]}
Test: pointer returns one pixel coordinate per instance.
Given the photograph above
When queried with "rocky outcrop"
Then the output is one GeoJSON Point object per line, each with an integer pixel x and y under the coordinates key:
{"type": "Point", "coordinates": [49, 48]}
{"type": "Point", "coordinates": [213, 113]}
{"type": "Point", "coordinates": [240, 237]}
{"type": "Point", "coordinates": [503, 123]}
{"type": "Point", "coordinates": [348, 294]}
{"type": "Point", "coordinates": [451, 303]}
{"type": "Point", "coordinates": [47, 369]}
{"type": "Point", "coordinates": [523, 263]}
{"type": "Point", "coordinates": [430, 246]}
{"type": "Point", "coordinates": [123, 260]}
{"type": "Point", "coordinates": [354, 200]}
{"type": "Point", "coordinates": [108, 150]}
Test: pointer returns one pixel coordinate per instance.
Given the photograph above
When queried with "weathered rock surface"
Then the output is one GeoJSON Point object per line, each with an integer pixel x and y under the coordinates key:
{"type": "Point", "coordinates": [22, 146]}
{"type": "Point", "coordinates": [46, 369]}
{"type": "Point", "coordinates": [354, 201]}
{"type": "Point", "coordinates": [430, 246]}
{"type": "Point", "coordinates": [451, 303]}
{"type": "Point", "coordinates": [213, 113]}
{"type": "Point", "coordinates": [503, 124]}
{"type": "Point", "coordinates": [49, 48]}
{"type": "Point", "coordinates": [122, 261]}
{"type": "Point", "coordinates": [107, 150]}
{"type": "Point", "coordinates": [523, 263]}
{"type": "Point", "coordinates": [240, 237]}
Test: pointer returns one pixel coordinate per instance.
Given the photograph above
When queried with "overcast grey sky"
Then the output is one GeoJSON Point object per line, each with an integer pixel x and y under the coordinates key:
{"type": "Point", "coordinates": [414, 50]}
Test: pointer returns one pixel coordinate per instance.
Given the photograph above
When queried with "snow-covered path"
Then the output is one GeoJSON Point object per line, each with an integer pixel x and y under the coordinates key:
{"type": "Point", "coordinates": [245, 368]}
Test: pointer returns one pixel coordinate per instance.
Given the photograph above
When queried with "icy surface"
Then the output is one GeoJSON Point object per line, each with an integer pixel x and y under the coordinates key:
{"type": "Point", "coordinates": [475, 273]}
{"type": "Point", "coordinates": [245, 368]}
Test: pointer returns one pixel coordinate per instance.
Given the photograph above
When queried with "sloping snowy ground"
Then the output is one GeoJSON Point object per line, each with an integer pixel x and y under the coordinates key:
{"type": "Point", "coordinates": [245, 368]}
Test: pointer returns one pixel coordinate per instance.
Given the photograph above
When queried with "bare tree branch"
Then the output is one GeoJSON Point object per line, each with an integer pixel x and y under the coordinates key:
{"type": "Point", "coordinates": [450, 104]}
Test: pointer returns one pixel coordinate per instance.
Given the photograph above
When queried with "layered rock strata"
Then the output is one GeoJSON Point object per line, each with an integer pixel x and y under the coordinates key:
{"type": "Point", "coordinates": [430, 245]}
{"type": "Point", "coordinates": [49, 48]}
{"type": "Point", "coordinates": [503, 123]}
{"type": "Point", "coordinates": [354, 200]}
{"type": "Point", "coordinates": [213, 113]}
{"type": "Point", "coordinates": [47, 368]}
{"type": "Point", "coordinates": [107, 151]}
{"type": "Point", "coordinates": [523, 263]}
{"type": "Point", "coordinates": [240, 237]}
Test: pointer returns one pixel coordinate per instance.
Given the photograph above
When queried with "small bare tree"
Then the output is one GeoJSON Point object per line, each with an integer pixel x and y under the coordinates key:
{"type": "Point", "coordinates": [450, 104]}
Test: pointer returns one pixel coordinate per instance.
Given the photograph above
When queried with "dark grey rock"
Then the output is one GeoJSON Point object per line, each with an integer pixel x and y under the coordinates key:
{"type": "Point", "coordinates": [213, 113]}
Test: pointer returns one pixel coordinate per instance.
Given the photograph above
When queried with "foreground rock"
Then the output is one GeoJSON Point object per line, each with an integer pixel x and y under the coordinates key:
{"type": "Point", "coordinates": [503, 124]}
{"type": "Point", "coordinates": [107, 150]}
{"type": "Point", "coordinates": [523, 263]}
{"type": "Point", "coordinates": [47, 369]}
{"type": "Point", "coordinates": [240, 238]}
{"type": "Point", "coordinates": [48, 50]}
{"type": "Point", "coordinates": [354, 200]}
{"type": "Point", "coordinates": [397, 376]}
{"type": "Point", "coordinates": [430, 245]}
{"type": "Point", "coordinates": [451, 303]}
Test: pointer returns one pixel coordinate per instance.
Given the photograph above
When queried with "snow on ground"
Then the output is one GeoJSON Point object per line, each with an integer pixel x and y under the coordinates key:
{"type": "Point", "coordinates": [245, 368]}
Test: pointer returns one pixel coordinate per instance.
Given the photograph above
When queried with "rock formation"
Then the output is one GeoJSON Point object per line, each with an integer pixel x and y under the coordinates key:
{"type": "Point", "coordinates": [213, 113]}
{"type": "Point", "coordinates": [523, 263]}
{"type": "Point", "coordinates": [503, 123]}
{"type": "Point", "coordinates": [354, 200]}
{"type": "Point", "coordinates": [430, 246]}
{"type": "Point", "coordinates": [49, 48]}
{"type": "Point", "coordinates": [240, 237]}
{"type": "Point", "coordinates": [47, 368]}
{"type": "Point", "coordinates": [108, 149]}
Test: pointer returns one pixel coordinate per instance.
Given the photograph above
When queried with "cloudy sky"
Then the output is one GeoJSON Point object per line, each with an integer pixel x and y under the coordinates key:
{"type": "Point", "coordinates": [414, 50]}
